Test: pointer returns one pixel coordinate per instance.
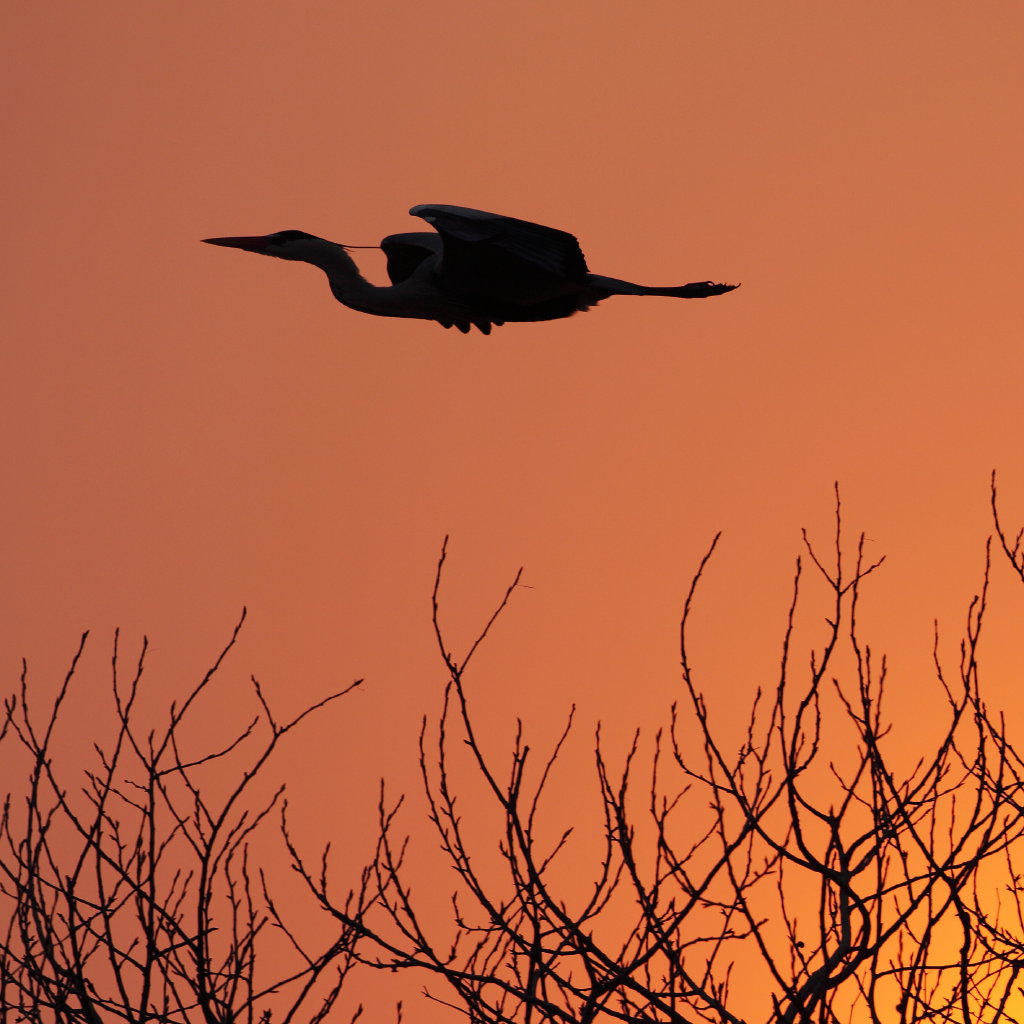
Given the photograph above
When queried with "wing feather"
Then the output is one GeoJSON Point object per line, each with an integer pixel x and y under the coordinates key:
{"type": "Point", "coordinates": [503, 258]}
{"type": "Point", "coordinates": [406, 251]}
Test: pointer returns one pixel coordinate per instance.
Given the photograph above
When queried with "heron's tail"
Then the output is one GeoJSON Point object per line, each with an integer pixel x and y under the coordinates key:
{"type": "Point", "coordinates": [696, 290]}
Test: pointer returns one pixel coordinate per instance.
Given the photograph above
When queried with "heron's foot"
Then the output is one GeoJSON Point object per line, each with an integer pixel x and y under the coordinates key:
{"type": "Point", "coordinates": [705, 289]}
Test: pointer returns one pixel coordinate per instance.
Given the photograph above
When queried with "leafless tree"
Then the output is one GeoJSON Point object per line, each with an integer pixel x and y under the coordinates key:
{"type": "Point", "coordinates": [131, 894]}
{"type": "Point", "coordinates": [828, 866]}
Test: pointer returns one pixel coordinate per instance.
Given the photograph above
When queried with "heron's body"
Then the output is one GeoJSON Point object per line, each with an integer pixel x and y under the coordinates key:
{"type": "Point", "coordinates": [478, 270]}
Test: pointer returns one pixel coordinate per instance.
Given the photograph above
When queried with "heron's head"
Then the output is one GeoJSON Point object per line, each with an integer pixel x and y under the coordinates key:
{"type": "Point", "coordinates": [285, 245]}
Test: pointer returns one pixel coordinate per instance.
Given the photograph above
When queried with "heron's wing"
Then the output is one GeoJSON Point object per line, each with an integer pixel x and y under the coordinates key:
{"type": "Point", "coordinates": [501, 258]}
{"type": "Point", "coordinates": [405, 252]}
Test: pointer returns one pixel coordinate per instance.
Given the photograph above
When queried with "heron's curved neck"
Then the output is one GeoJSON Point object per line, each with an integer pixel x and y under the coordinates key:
{"type": "Point", "coordinates": [415, 297]}
{"type": "Point", "coordinates": [347, 283]}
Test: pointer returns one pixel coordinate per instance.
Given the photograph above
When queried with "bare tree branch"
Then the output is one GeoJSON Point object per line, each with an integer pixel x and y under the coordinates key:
{"type": "Point", "coordinates": [810, 856]}
{"type": "Point", "coordinates": [135, 897]}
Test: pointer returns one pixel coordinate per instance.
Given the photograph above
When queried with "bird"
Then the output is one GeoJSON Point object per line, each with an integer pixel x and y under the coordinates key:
{"type": "Point", "coordinates": [476, 269]}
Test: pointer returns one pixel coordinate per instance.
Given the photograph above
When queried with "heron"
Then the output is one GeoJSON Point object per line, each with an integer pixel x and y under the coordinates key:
{"type": "Point", "coordinates": [476, 269]}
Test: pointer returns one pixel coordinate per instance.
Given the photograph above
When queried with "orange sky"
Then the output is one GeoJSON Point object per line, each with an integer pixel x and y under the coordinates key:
{"type": "Point", "coordinates": [189, 429]}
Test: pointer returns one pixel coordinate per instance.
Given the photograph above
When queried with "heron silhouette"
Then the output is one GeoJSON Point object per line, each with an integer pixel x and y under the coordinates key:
{"type": "Point", "coordinates": [476, 269]}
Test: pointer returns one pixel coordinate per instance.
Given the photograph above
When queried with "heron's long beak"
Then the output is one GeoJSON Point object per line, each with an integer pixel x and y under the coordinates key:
{"type": "Point", "coordinates": [251, 243]}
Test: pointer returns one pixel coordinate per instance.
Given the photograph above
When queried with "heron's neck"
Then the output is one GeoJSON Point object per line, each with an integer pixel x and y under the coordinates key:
{"type": "Point", "coordinates": [415, 297]}
{"type": "Point", "coordinates": [347, 283]}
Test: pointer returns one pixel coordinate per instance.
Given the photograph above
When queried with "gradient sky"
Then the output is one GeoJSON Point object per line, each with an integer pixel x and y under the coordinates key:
{"type": "Point", "coordinates": [187, 430]}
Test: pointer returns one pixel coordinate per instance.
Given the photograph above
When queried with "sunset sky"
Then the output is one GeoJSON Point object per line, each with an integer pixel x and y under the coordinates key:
{"type": "Point", "coordinates": [187, 430]}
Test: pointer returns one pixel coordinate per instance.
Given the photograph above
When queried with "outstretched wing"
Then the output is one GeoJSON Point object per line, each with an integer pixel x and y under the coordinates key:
{"type": "Point", "coordinates": [486, 255]}
{"type": "Point", "coordinates": [405, 252]}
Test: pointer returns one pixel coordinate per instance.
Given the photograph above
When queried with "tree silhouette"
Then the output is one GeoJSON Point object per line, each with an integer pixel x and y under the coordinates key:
{"type": "Point", "coordinates": [807, 873]}
{"type": "Point", "coordinates": [829, 864]}
{"type": "Point", "coordinates": [130, 892]}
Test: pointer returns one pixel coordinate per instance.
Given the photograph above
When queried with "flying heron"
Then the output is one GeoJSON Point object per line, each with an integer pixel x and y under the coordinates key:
{"type": "Point", "coordinates": [475, 269]}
